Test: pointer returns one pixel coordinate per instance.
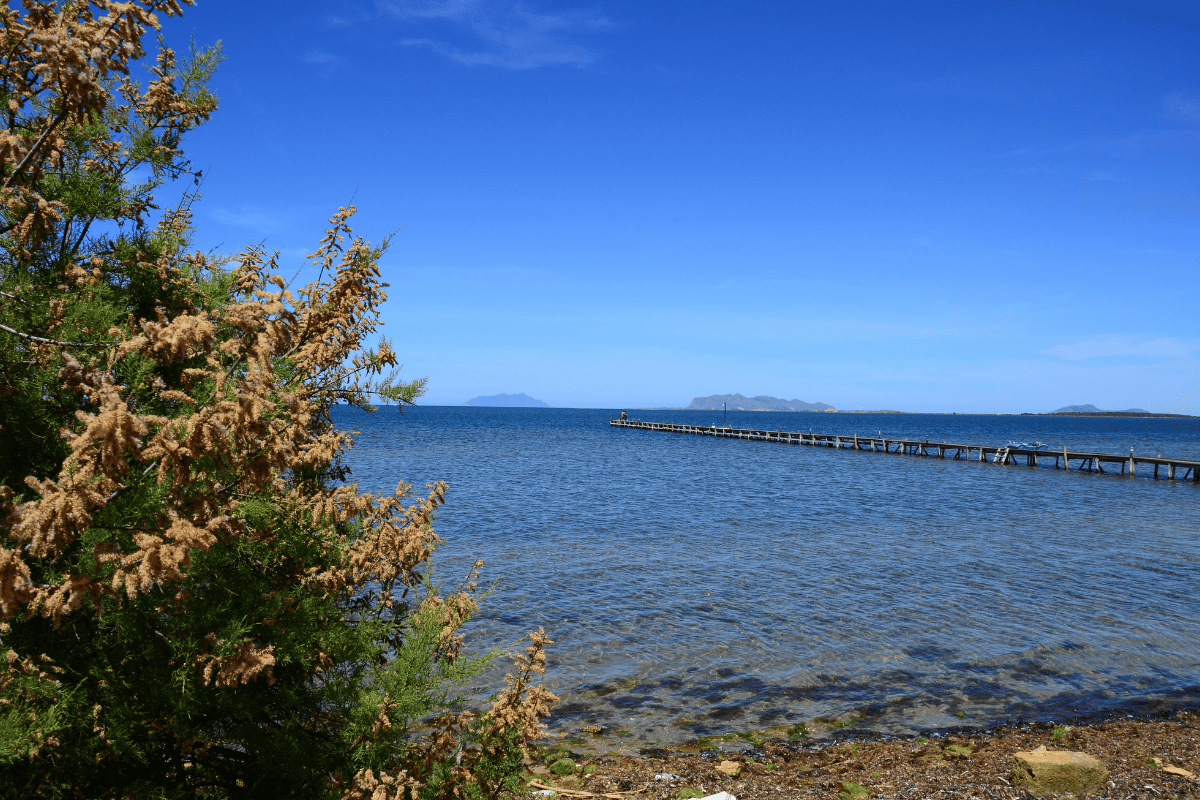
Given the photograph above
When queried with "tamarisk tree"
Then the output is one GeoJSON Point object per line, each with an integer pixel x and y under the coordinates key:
{"type": "Point", "coordinates": [194, 598]}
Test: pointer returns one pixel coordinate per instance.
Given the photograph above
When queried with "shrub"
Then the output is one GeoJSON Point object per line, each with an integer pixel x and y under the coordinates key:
{"type": "Point", "coordinates": [195, 600]}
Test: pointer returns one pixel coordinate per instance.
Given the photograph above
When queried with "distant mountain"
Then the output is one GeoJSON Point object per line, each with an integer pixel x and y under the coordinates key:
{"type": "Point", "coordinates": [1091, 409]}
{"type": "Point", "coordinates": [507, 401]}
{"type": "Point", "coordinates": [762, 402]}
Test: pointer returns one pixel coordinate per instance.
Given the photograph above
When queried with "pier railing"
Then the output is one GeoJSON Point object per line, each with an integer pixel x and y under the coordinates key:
{"type": "Point", "coordinates": [1172, 468]}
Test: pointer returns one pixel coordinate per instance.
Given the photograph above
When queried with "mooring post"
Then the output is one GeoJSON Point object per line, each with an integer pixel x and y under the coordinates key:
{"type": "Point", "coordinates": [1131, 464]}
{"type": "Point", "coordinates": [1066, 464]}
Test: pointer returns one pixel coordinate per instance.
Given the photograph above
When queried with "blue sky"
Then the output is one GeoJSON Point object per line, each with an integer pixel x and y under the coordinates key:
{"type": "Point", "coordinates": [923, 206]}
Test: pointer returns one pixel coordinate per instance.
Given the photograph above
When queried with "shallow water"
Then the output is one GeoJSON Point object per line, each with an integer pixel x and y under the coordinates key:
{"type": "Point", "coordinates": [698, 585]}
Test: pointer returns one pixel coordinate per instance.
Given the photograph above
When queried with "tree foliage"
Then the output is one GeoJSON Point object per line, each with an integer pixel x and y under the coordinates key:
{"type": "Point", "coordinates": [195, 601]}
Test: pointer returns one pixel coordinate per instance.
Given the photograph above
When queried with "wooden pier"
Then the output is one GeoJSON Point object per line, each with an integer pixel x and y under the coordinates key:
{"type": "Point", "coordinates": [1131, 465]}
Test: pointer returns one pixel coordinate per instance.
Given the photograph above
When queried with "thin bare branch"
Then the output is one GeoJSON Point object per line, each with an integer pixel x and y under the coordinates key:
{"type": "Point", "coordinates": [20, 300]}
{"type": "Point", "coordinates": [43, 340]}
{"type": "Point", "coordinates": [62, 115]}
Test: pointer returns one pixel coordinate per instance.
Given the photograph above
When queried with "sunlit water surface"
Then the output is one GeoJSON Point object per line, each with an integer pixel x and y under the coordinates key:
{"type": "Point", "coordinates": [697, 585]}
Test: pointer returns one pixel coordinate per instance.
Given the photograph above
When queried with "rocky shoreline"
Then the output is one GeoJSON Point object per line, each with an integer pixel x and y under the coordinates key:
{"type": "Point", "coordinates": [1155, 758]}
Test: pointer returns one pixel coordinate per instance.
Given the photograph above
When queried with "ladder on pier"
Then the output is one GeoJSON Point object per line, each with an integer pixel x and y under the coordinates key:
{"type": "Point", "coordinates": [1001, 457]}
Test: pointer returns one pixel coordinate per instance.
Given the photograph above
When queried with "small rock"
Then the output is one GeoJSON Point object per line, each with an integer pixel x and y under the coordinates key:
{"type": "Point", "coordinates": [564, 766]}
{"type": "Point", "coordinates": [666, 776]}
{"type": "Point", "coordinates": [1180, 771]}
{"type": "Point", "coordinates": [1045, 771]}
{"type": "Point", "coordinates": [543, 793]}
{"type": "Point", "coordinates": [719, 796]}
{"type": "Point", "coordinates": [595, 730]}
{"type": "Point", "coordinates": [731, 768]}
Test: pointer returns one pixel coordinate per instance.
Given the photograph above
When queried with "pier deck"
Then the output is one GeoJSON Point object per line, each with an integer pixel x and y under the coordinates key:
{"type": "Point", "coordinates": [1172, 468]}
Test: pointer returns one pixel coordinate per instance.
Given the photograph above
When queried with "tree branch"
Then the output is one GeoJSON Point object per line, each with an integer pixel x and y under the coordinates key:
{"type": "Point", "coordinates": [25, 303]}
{"type": "Point", "coordinates": [41, 340]}
{"type": "Point", "coordinates": [36, 146]}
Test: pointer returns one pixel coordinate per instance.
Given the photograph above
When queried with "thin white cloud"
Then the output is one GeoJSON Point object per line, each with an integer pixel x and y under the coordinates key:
{"type": "Point", "coordinates": [1112, 346]}
{"type": "Point", "coordinates": [320, 57]}
{"type": "Point", "coordinates": [249, 217]}
{"type": "Point", "coordinates": [1182, 106]}
{"type": "Point", "coordinates": [1117, 145]}
{"type": "Point", "coordinates": [502, 33]}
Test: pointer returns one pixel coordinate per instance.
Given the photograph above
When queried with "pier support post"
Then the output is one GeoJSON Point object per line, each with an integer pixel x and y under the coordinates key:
{"type": "Point", "coordinates": [1066, 463]}
{"type": "Point", "coordinates": [1170, 472]}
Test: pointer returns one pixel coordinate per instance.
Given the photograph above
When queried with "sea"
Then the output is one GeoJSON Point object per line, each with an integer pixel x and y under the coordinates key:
{"type": "Point", "coordinates": [698, 587]}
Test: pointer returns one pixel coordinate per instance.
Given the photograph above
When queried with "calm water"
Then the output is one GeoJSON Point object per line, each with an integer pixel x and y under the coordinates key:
{"type": "Point", "coordinates": [696, 585]}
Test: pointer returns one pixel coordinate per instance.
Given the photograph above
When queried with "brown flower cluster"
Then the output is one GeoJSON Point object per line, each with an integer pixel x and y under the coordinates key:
{"type": "Point", "coordinates": [189, 414]}
{"type": "Point", "coordinates": [64, 64]}
{"type": "Point", "coordinates": [242, 430]}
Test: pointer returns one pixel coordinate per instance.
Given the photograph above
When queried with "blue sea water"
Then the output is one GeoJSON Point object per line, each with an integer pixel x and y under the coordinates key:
{"type": "Point", "coordinates": [697, 586]}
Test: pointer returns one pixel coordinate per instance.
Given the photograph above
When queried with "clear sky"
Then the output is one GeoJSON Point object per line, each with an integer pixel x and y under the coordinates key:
{"type": "Point", "coordinates": [921, 206]}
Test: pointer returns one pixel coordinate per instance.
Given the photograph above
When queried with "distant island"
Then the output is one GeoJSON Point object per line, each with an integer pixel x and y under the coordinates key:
{"type": "Point", "coordinates": [739, 402]}
{"type": "Point", "coordinates": [507, 401]}
{"type": "Point", "coordinates": [1089, 410]}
